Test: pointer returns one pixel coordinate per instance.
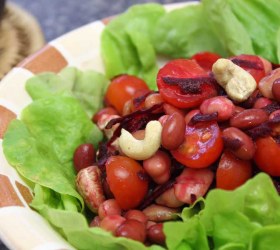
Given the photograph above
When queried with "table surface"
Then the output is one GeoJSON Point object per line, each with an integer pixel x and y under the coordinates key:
{"type": "Point", "coordinates": [57, 17]}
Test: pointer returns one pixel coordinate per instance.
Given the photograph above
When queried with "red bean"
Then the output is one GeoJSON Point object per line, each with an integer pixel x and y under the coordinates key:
{"type": "Point", "coordinates": [276, 89]}
{"type": "Point", "coordinates": [159, 213]}
{"type": "Point", "coordinates": [169, 110]}
{"type": "Point", "coordinates": [152, 100]}
{"type": "Point", "coordinates": [112, 222]}
{"type": "Point", "coordinates": [274, 114]}
{"type": "Point", "coordinates": [95, 222]}
{"type": "Point", "coordinates": [102, 112]}
{"type": "Point", "coordinates": [155, 234]}
{"type": "Point", "coordinates": [191, 114]}
{"type": "Point", "coordinates": [169, 199]}
{"type": "Point", "coordinates": [261, 102]}
{"type": "Point", "coordinates": [132, 229]}
{"type": "Point", "coordinates": [173, 131]}
{"type": "Point", "coordinates": [136, 215]}
{"type": "Point", "coordinates": [248, 118]}
{"type": "Point", "coordinates": [267, 65]}
{"type": "Point", "coordinates": [139, 134]}
{"type": "Point", "coordinates": [265, 84]}
{"type": "Point", "coordinates": [109, 207]}
{"type": "Point", "coordinates": [276, 126]}
{"type": "Point", "coordinates": [237, 109]}
{"type": "Point", "coordinates": [247, 149]}
{"type": "Point", "coordinates": [127, 107]}
{"type": "Point", "coordinates": [150, 223]}
{"type": "Point", "coordinates": [220, 104]}
{"type": "Point", "coordinates": [163, 119]}
{"type": "Point", "coordinates": [158, 167]}
{"type": "Point", "coordinates": [84, 156]}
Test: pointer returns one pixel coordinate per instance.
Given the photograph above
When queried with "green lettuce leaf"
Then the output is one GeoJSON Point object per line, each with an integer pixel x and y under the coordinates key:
{"type": "Point", "coordinates": [230, 31]}
{"type": "Point", "coordinates": [183, 32]}
{"type": "Point", "coordinates": [126, 45]}
{"type": "Point", "coordinates": [41, 145]}
{"type": "Point", "coordinates": [87, 86]}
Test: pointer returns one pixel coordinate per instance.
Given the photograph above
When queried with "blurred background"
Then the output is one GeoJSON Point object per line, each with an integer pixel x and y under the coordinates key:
{"type": "Point", "coordinates": [59, 16]}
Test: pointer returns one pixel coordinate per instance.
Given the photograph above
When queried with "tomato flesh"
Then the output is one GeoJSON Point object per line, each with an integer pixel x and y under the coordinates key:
{"type": "Point", "coordinates": [126, 179]}
{"type": "Point", "coordinates": [122, 88]}
{"type": "Point", "coordinates": [206, 59]}
{"type": "Point", "coordinates": [202, 146]}
{"type": "Point", "coordinates": [252, 64]}
{"type": "Point", "coordinates": [267, 155]}
{"type": "Point", "coordinates": [183, 68]}
{"type": "Point", "coordinates": [232, 172]}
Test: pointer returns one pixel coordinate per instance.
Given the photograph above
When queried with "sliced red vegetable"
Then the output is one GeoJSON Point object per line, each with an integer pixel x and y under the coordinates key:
{"type": "Point", "coordinates": [202, 146]}
{"type": "Point", "coordinates": [206, 59]}
{"type": "Point", "coordinates": [178, 93]}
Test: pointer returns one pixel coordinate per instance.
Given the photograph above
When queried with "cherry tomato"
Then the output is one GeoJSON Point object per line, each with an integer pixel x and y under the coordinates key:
{"type": "Point", "coordinates": [126, 179]}
{"type": "Point", "coordinates": [183, 68]}
{"type": "Point", "coordinates": [192, 184]}
{"type": "Point", "coordinates": [267, 156]}
{"type": "Point", "coordinates": [232, 172]}
{"type": "Point", "coordinates": [251, 63]}
{"type": "Point", "coordinates": [202, 146]}
{"type": "Point", "coordinates": [206, 59]}
{"type": "Point", "coordinates": [122, 88]}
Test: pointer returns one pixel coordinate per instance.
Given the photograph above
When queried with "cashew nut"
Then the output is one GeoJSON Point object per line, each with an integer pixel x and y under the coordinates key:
{"type": "Point", "coordinates": [141, 149]}
{"type": "Point", "coordinates": [237, 82]}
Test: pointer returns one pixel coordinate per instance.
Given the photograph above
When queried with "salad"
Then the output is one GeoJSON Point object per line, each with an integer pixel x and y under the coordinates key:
{"type": "Point", "coordinates": [179, 156]}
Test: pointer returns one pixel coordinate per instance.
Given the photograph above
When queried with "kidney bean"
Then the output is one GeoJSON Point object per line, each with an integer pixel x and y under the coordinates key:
{"type": "Point", "coordinates": [237, 109]}
{"type": "Point", "coordinates": [152, 100]}
{"type": "Point", "coordinates": [109, 207]}
{"type": "Point", "coordinates": [248, 118]}
{"type": "Point", "coordinates": [95, 222]}
{"type": "Point", "coordinates": [276, 89]}
{"type": "Point", "coordinates": [132, 229]}
{"type": "Point", "coordinates": [274, 114]}
{"type": "Point", "coordinates": [84, 156]}
{"type": "Point", "coordinates": [169, 199]}
{"type": "Point", "coordinates": [139, 134]}
{"type": "Point", "coordinates": [105, 111]}
{"type": "Point", "coordinates": [276, 126]}
{"type": "Point", "coordinates": [169, 110]}
{"type": "Point", "coordinates": [261, 102]}
{"type": "Point", "coordinates": [173, 131]}
{"type": "Point", "coordinates": [150, 223]}
{"type": "Point", "coordinates": [267, 65]}
{"type": "Point", "coordinates": [159, 213]}
{"type": "Point", "coordinates": [112, 222]}
{"type": "Point", "coordinates": [265, 84]}
{"type": "Point", "coordinates": [89, 186]}
{"type": "Point", "coordinates": [247, 149]}
{"type": "Point", "coordinates": [191, 114]}
{"type": "Point", "coordinates": [155, 234]}
{"type": "Point", "coordinates": [220, 104]}
{"type": "Point", "coordinates": [163, 119]}
{"type": "Point", "coordinates": [136, 215]}
{"type": "Point", "coordinates": [127, 107]}
{"type": "Point", "coordinates": [158, 167]}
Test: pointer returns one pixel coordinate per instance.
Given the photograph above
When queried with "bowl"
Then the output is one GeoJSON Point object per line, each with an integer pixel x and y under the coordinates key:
{"type": "Point", "coordinates": [21, 227]}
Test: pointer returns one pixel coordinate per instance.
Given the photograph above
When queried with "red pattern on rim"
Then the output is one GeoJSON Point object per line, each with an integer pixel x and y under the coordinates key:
{"type": "Point", "coordinates": [6, 116]}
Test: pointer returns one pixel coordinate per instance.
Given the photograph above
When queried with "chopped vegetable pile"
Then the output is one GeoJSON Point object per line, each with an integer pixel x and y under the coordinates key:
{"type": "Point", "coordinates": [181, 157]}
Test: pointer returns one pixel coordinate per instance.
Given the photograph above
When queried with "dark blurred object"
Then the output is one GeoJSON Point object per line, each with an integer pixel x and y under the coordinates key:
{"type": "Point", "coordinates": [20, 36]}
{"type": "Point", "coordinates": [60, 16]}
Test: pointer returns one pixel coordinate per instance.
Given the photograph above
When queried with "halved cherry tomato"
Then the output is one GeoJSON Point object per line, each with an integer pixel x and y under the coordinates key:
{"type": "Point", "coordinates": [122, 88]}
{"type": "Point", "coordinates": [183, 68]}
{"type": "Point", "coordinates": [267, 155]}
{"type": "Point", "coordinates": [252, 64]}
{"type": "Point", "coordinates": [202, 146]}
{"type": "Point", "coordinates": [206, 59]}
{"type": "Point", "coordinates": [127, 181]}
{"type": "Point", "coordinates": [232, 172]}
{"type": "Point", "coordinates": [192, 184]}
